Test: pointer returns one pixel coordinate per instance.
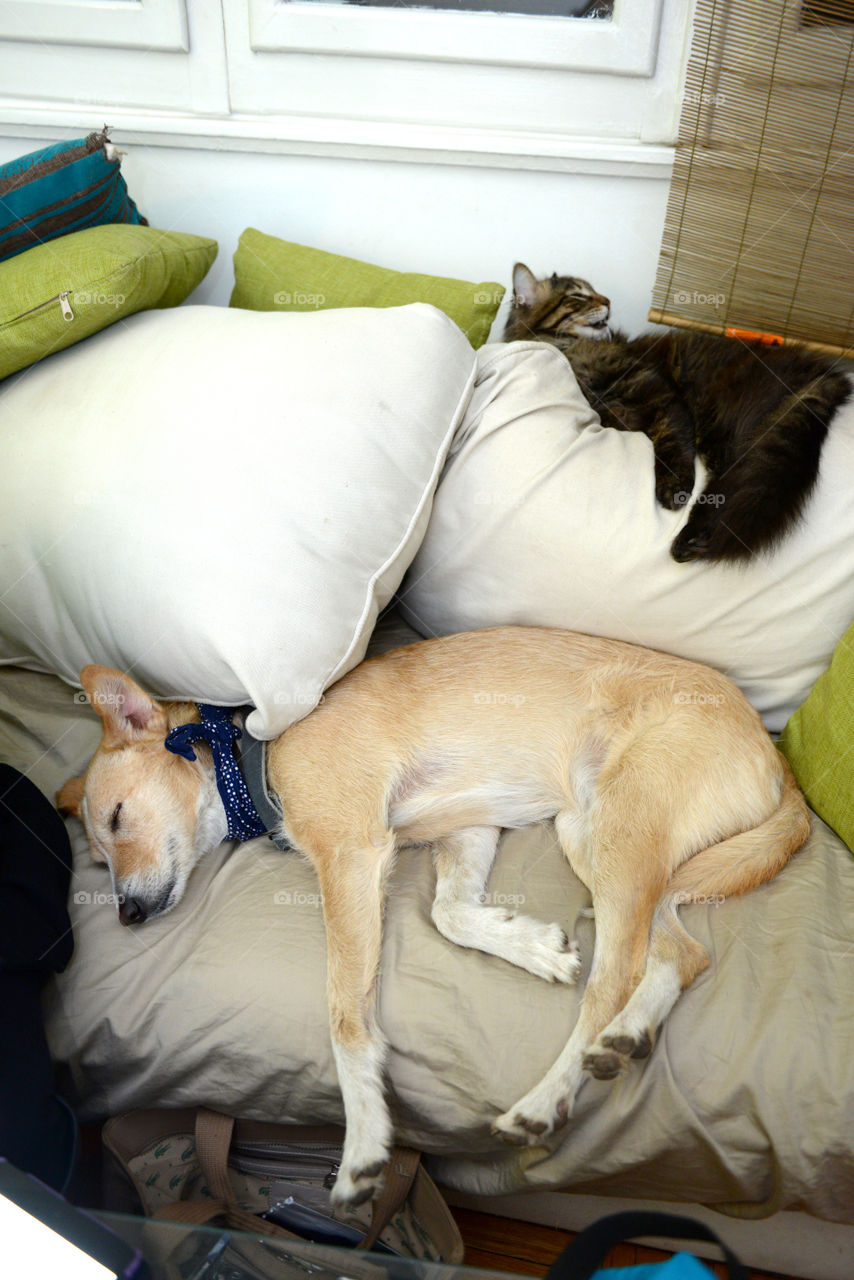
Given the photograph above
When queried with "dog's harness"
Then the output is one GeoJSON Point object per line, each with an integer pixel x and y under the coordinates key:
{"type": "Point", "coordinates": [250, 809]}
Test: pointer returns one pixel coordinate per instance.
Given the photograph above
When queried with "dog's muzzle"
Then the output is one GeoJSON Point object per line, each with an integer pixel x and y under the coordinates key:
{"type": "Point", "coordinates": [132, 912]}
{"type": "Point", "coordinates": [137, 910]}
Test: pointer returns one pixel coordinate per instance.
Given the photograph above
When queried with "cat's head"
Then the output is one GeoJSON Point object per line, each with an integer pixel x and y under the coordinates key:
{"type": "Point", "coordinates": [559, 307]}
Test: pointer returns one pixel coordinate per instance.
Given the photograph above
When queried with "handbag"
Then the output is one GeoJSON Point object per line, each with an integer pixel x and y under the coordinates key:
{"type": "Point", "coordinates": [583, 1256]}
{"type": "Point", "coordinates": [197, 1165]}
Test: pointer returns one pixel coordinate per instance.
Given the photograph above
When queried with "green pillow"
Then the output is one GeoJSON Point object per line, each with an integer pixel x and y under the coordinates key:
{"type": "Point", "coordinates": [819, 742]}
{"type": "Point", "coordinates": [275, 275]}
{"type": "Point", "coordinates": [55, 294]}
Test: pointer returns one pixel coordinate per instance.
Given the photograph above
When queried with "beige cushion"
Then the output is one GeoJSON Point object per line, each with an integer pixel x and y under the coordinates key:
{"type": "Point", "coordinates": [544, 517]}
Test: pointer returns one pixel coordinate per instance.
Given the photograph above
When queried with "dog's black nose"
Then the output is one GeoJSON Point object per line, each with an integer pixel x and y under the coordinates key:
{"type": "Point", "coordinates": [130, 912]}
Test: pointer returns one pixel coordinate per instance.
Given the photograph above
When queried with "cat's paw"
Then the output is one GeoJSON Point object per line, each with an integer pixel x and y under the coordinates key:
{"type": "Point", "coordinates": [694, 546]}
{"type": "Point", "coordinates": [701, 537]}
{"type": "Point", "coordinates": [672, 492]}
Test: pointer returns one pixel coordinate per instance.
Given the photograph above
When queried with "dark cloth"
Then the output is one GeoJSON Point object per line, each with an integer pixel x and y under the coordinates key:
{"type": "Point", "coordinates": [37, 1130]}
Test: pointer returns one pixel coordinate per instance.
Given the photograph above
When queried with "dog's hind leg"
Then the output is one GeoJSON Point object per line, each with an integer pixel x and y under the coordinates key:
{"type": "Point", "coordinates": [675, 960]}
{"type": "Point", "coordinates": [730, 867]}
{"type": "Point", "coordinates": [462, 915]}
{"type": "Point", "coordinates": [352, 883]}
{"type": "Point", "coordinates": [627, 877]}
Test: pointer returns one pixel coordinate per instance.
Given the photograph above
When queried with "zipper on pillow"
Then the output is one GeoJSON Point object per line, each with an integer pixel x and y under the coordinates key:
{"type": "Point", "coordinates": [61, 298]}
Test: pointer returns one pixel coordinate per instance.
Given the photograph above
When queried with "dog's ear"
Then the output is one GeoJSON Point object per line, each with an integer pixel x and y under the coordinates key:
{"type": "Point", "coordinates": [127, 712]}
{"type": "Point", "coordinates": [69, 797]}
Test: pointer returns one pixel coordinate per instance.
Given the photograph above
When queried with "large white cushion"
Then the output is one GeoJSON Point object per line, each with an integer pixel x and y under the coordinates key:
{"type": "Point", "coordinates": [545, 517]}
{"type": "Point", "coordinates": [220, 501]}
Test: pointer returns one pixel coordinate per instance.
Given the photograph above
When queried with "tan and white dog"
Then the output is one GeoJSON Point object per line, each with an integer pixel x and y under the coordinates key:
{"type": "Point", "coordinates": [663, 785]}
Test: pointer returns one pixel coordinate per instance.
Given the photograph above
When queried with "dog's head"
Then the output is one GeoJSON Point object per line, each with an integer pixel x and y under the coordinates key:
{"type": "Point", "coordinates": [149, 814]}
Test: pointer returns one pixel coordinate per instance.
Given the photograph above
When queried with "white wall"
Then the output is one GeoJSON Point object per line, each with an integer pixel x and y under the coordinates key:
{"type": "Point", "coordinates": [471, 142]}
{"type": "Point", "coordinates": [444, 219]}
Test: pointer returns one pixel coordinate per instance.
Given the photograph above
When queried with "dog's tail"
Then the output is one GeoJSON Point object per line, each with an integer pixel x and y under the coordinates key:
{"type": "Point", "coordinates": [744, 861]}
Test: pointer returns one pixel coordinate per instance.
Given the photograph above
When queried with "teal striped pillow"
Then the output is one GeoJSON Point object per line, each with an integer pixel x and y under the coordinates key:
{"type": "Point", "coordinates": [63, 188]}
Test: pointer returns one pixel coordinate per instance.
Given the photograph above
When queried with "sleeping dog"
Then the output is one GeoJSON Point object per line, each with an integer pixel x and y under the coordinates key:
{"type": "Point", "coordinates": [662, 783]}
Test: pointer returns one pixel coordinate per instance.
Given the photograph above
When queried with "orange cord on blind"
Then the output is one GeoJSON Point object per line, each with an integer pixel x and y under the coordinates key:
{"type": "Point", "coordinates": [755, 335]}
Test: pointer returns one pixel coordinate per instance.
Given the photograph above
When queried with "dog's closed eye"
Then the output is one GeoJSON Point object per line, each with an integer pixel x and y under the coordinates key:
{"type": "Point", "coordinates": [115, 819]}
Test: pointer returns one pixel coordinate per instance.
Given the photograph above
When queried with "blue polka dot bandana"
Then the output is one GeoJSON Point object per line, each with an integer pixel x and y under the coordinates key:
{"type": "Point", "coordinates": [217, 730]}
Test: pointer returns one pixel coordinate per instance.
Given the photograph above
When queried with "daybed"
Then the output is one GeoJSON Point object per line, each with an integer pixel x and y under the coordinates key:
{"type": "Point", "coordinates": [536, 515]}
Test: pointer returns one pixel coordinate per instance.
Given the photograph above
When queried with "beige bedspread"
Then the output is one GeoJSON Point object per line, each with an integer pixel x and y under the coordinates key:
{"type": "Point", "coordinates": [748, 1096]}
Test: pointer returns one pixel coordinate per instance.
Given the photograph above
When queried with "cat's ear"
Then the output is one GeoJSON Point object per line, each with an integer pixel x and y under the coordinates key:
{"type": "Point", "coordinates": [525, 286]}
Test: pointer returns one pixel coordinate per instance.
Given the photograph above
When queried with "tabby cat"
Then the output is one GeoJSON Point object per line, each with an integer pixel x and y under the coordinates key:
{"type": "Point", "coordinates": [756, 415]}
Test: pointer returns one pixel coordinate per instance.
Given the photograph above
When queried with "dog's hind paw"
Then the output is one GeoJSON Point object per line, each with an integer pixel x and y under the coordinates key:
{"type": "Point", "coordinates": [604, 1064]}
{"type": "Point", "coordinates": [623, 1040]}
{"type": "Point", "coordinates": [609, 1056]}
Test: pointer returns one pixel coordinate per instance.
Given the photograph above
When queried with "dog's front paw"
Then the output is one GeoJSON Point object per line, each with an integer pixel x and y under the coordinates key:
{"type": "Point", "coordinates": [554, 957]}
{"type": "Point", "coordinates": [527, 1126]}
{"type": "Point", "coordinates": [354, 1185]}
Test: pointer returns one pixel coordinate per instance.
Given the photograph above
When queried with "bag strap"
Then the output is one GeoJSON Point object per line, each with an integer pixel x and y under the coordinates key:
{"type": "Point", "coordinates": [213, 1138]}
{"type": "Point", "coordinates": [398, 1177]}
{"type": "Point", "coordinates": [583, 1255]}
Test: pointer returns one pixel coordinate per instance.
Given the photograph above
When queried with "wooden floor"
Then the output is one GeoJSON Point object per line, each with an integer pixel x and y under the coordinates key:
{"type": "Point", "coordinates": [502, 1244]}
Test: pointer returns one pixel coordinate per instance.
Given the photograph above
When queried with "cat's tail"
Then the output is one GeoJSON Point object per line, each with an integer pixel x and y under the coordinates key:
{"type": "Point", "coordinates": [758, 499]}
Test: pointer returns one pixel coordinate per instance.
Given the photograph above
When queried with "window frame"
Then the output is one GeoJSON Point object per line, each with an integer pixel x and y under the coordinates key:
{"type": "Point", "coordinates": [159, 25]}
{"type": "Point", "coordinates": [625, 45]}
{"type": "Point", "coordinates": [221, 93]}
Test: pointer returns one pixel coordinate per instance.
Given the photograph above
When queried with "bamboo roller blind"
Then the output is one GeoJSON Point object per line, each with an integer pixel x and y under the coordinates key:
{"type": "Point", "coordinates": [759, 232]}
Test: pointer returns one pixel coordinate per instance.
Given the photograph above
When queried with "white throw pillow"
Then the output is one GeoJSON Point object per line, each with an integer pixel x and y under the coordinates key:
{"type": "Point", "coordinates": [545, 517]}
{"type": "Point", "coordinates": [220, 501]}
